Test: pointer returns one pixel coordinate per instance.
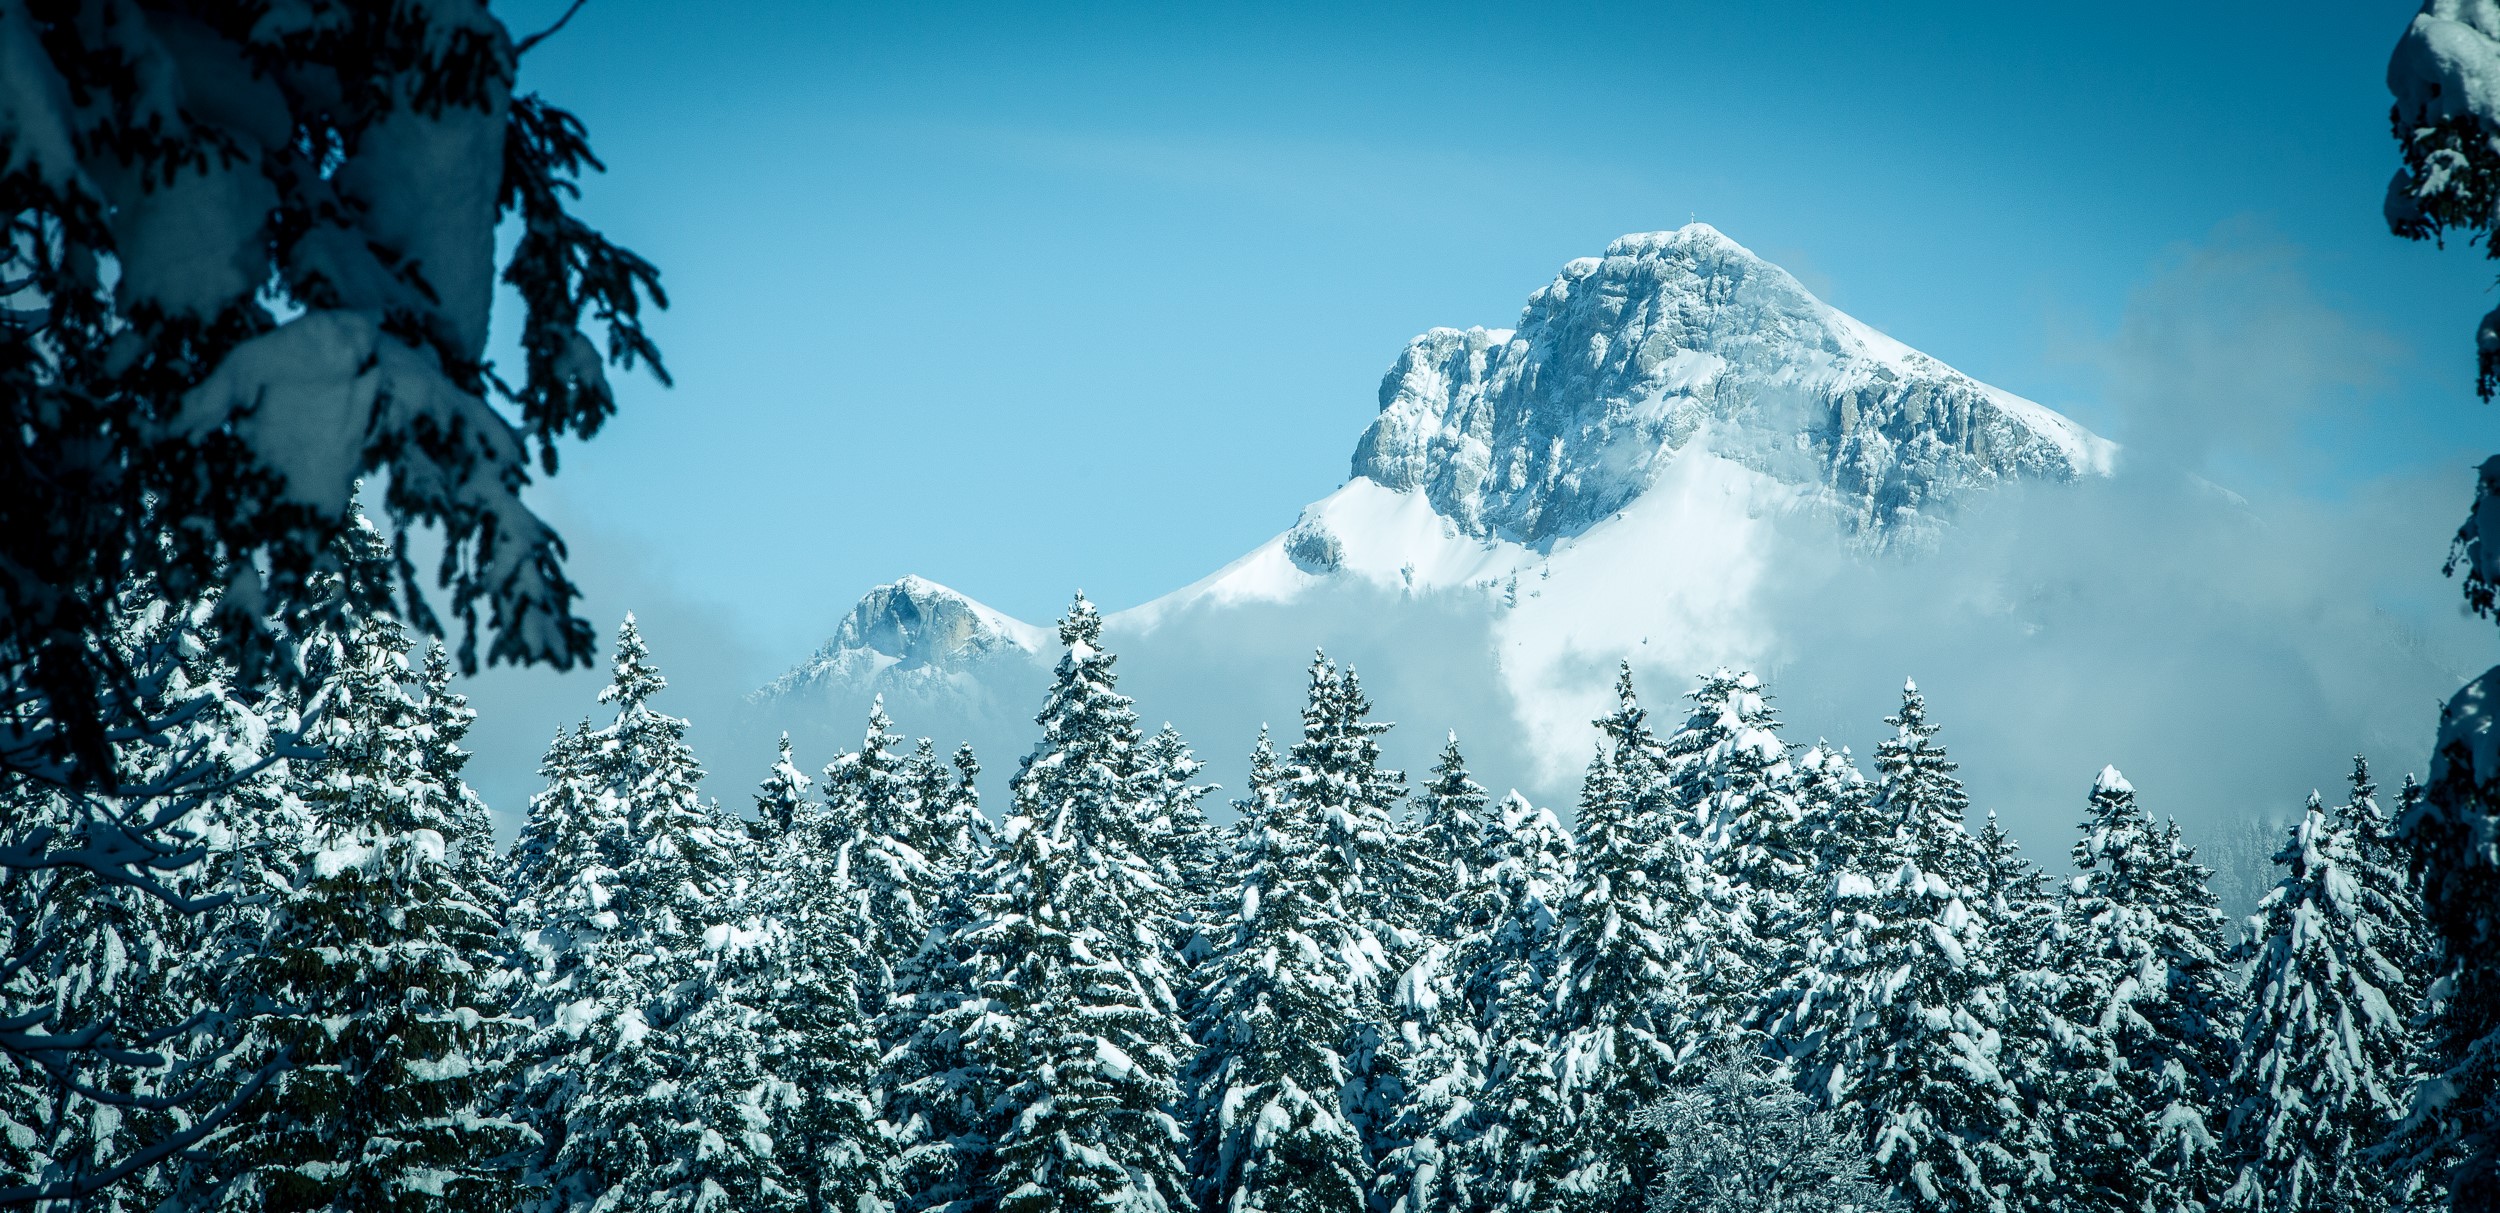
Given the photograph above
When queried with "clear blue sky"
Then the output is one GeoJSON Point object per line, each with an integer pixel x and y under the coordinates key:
{"type": "Point", "coordinates": [1023, 300]}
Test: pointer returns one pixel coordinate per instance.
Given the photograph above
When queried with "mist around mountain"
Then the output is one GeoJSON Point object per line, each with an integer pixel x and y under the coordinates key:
{"type": "Point", "coordinates": [1681, 459]}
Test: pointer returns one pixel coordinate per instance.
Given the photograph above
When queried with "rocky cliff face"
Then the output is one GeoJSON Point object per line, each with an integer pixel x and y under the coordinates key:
{"type": "Point", "coordinates": [1538, 433]}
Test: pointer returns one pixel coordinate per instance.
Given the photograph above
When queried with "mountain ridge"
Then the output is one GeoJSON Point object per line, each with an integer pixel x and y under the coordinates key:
{"type": "Point", "coordinates": [1599, 472]}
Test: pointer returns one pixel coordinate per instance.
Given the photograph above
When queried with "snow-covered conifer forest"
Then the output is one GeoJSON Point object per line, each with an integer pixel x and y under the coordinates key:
{"type": "Point", "coordinates": [1740, 972]}
{"type": "Point", "coordinates": [261, 949]}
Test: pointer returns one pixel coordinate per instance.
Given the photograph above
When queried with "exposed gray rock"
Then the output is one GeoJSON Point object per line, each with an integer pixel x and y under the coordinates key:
{"type": "Point", "coordinates": [1538, 433]}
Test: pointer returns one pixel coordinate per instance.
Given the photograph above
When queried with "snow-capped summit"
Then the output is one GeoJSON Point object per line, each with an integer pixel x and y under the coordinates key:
{"type": "Point", "coordinates": [911, 635]}
{"type": "Point", "coordinates": [1608, 481]}
{"type": "Point", "coordinates": [1539, 432]}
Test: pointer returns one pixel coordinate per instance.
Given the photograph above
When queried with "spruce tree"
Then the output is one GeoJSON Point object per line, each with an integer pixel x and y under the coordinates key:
{"type": "Point", "coordinates": [447, 718]}
{"type": "Point", "coordinates": [2145, 1013]}
{"type": "Point", "coordinates": [1740, 1140]}
{"type": "Point", "coordinates": [839, 1155]}
{"type": "Point", "coordinates": [1639, 756]}
{"type": "Point", "coordinates": [1193, 855]}
{"type": "Point", "coordinates": [946, 823]}
{"type": "Point", "coordinates": [1921, 797]}
{"type": "Point", "coordinates": [1282, 994]}
{"type": "Point", "coordinates": [2021, 937]}
{"type": "Point", "coordinates": [377, 968]}
{"type": "Point", "coordinates": [1730, 779]}
{"type": "Point", "coordinates": [650, 1081]}
{"type": "Point", "coordinates": [928, 1098]}
{"type": "Point", "coordinates": [1493, 1146]}
{"type": "Point", "coordinates": [1621, 990]}
{"type": "Point", "coordinates": [564, 907]}
{"type": "Point", "coordinates": [2327, 1059]}
{"type": "Point", "coordinates": [872, 792]}
{"type": "Point", "coordinates": [1842, 831]}
{"type": "Point", "coordinates": [781, 800]}
{"type": "Point", "coordinates": [1066, 1038]}
{"type": "Point", "coordinates": [967, 832]}
{"type": "Point", "coordinates": [1899, 1016]}
{"type": "Point", "coordinates": [1333, 775]}
{"type": "Point", "coordinates": [116, 956]}
{"type": "Point", "coordinates": [82, 953]}
{"type": "Point", "coordinates": [1450, 842]}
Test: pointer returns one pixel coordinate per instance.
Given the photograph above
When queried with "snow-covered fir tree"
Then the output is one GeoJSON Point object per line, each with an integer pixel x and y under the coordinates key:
{"type": "Point", "coordinates": [377, 970]}
{"type": "Point", "coordinates": [930, 1104]}
{"type": "Point", "coordinates": [1450, 843]}
{"type": "Point", "coordinates": [2328, 1057]}
{"type": "Point", "coordinates": [1448, 840]}
{"type": "Point", "coordinates": [1897, 1021]}
{"type": "Point", "coordinates": [1076, 1040]}
{"type": "Point", "coordinates": [563, 889]}
{"type": "Point", "coordinates": [1842, 831]}
{"type": "Point", "coordinates": [1334, 777]}
{"type": "Point", "coordinates": [1729, 783]}
{"type": "Point", "coordinates": [1486, 1118]}
{"type": "Point", "coordinates": [1282, 993]}
{"type": "Point", "coordinates": [948, 828]}
{"type": "Point", "coordinates": [837, 1152]}
{"type": "Point", "coordinates": [1622, 989]}
{"type": "Point", "coordinates": [448, 718]}
{"type": "Point", "coordinates": [968, 834]}
{"type": "Point", "coordinates": [1740, 1140]}
{"type": "Point", "coordinates": [2146, 1016]}
{"type": "Point", "coordinates": [782, 799]}
{"type": "Point", "coordinates": [1194, 853]}
{"type": "Point", "coordinates": [2022, 931]}
{"type": "Point", "coordinates": [1053, 1083]}
{"type": "Point", "coordinates": [873, 794]}
{"type": "Point", "coordinates": [648, 1069]}
{"type": "Point", "coordinates": [80, 953]}
{"type": "Point", "coordinates": [1189, 850]}
{"type": "Point", "coordinates": [1639, 756]}
{"type": "Point", "coordinates": [115, 957]}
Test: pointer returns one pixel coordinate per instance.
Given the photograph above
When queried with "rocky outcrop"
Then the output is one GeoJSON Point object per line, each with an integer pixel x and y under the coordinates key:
{"type": "Point", "coordinates": [1537, 433]}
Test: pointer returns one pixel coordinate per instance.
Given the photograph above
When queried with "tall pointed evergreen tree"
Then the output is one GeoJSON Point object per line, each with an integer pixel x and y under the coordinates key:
{"type": "Point", "coordinates": [1334, 774]}
{"type": "Point", "coordinates": [781, 800]}
{"type": "Point", "coordinates": [2327, 1058]}
{"type": "Point", "coordinates": [1486, 1112]}
{"type": "Point", "coordinates": [447, 718]}
{"type": "Point", "coordinates": [1621, 990]}
{"type": "Point", "coordinates": [650, 1082]}
{"type": "Point", "coordinates": [1640, 757]}
{"type": "Point", "coordinates": [2021, 938]}
{"type": "Point", "coordinates": [377, 969]}
{"type": "Point", "coordinates": [873, 792]}
{"type": "Point", "coordinates": [947, 826]}
{"type": "Point", "coordinates": [1508, 1147]}
{"type": "Point", "coordinates": [1067, 1038]}
{"type": "Point", "coordinates": [2148, 1019]}
{"type": "Point", "coordinates": [1731, 786]}
{"type": "Point", "coordinates": [1282, 994]}
{"type": "Point", "coordinates": [839, 1155]}
{"type": "Point", "coordinates": [1451, 843]}
{"type": "Point", "coordinates": [1171, 770]}
{"type": "Point", "coordinates": [1900, 1017]}
{"type": "Point", "coordinates": [1452, 829]}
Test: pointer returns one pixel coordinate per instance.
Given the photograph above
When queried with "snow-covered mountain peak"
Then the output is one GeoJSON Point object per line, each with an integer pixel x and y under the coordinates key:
{"type": "Point", "coordinates": [909, 632]}
{"type": "Point", "coordinates": [1609, 479]}
{"type": "Point", "coordinates": [1539, 432]}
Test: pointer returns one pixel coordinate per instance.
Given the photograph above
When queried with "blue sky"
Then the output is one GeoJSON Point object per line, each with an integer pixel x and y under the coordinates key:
{"type": "Point", "coordinates": [1025, 300]}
